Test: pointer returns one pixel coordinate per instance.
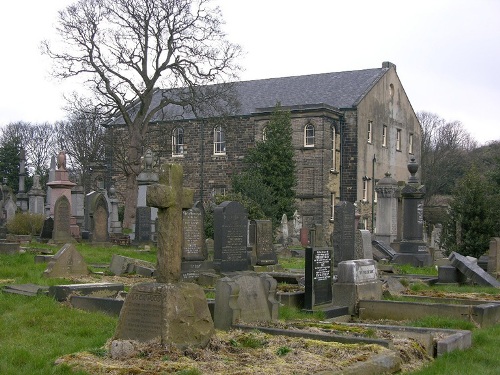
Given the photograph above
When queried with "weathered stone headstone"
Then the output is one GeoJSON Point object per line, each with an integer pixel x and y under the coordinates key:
{"type": "Point", "coordinates": [176, 312]}
{"type": "Point", "coordinates": [356, 280]}
{"type": "Point", "coordinates": [388, 192]}
{"type": "Point", "coordinates": [318, 277]}
{"type": "Point", "coordinates": [284, 230]}
{"type": "Point", "coordinates": [363, 244]}
{"type": "Point", "coordinates": [343, 232]}
{"type": "Point", "coordinates": [245, 298]}
{"type": "Point", "coordinates": [193, 243]}
{"type": "Point", "coordinates": [494, 257]}
{"type": "Point", "coordinates": [36, 197]}
{"type": "Point", "coordinates": [230, 237]}
{"type": "Point", "coordinates": [120, 265]}
{"type": "Point", "coordinates": [62, 223]}
{"type": "Point", "coordinates": [100, 220]}
{"type": "Point", "coordinates": [304, 236]}
{"type": "Point", "coordinates": [473, 271]}
{"type": "Point", "coordinates": [261, 240]}
{"type": "Point", "coordinates": [66, 262]}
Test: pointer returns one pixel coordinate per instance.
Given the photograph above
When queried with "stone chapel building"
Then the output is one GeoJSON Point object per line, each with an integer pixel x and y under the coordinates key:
{"type": "Point", "coordinates": [349, 129]}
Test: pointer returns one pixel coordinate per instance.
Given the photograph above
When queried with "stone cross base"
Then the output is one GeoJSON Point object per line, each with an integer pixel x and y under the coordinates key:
{"type": "Point", "coordinates": [175, 313]}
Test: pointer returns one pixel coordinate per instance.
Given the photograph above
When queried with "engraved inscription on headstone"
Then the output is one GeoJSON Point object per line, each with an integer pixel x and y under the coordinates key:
{"type": "Point", "coordinates": [143, 224]}
{"type": "Point", "coordinates": [193, 243]}
{"type": "Point", "coordinates": [142, 318]}
{"type": "Point", "coordinates": [264, 249]}
{"type": "Point", "coordinates": [62, 216]}
{"type": "Point", "coordinates": [343, 237]}
{"type": "Point", "coordinates": [318, 277]}
{"type": "Point", "coordinates": [230, 237]}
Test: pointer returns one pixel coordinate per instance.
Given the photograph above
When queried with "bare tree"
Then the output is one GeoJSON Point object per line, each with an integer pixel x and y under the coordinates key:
{"type": "Point", "coordinates": [82, 137]}
{"type": "Point", "coordinates": [445, 146]}
{"type": "Point", "coordinates": [127, 49]}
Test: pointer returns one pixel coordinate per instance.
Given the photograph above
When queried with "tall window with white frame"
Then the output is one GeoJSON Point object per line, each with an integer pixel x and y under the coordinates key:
{"type": "Point", "coordinates": [370, 131]}
{"type": "Point", "coordinates": [309, 135]}
{"type": "Point", "coordinates": [410, 143]}
{"type": "Point", "coordinates": [384, 136]}
{"type": "Point", "coordinates": [334, 151]}
{"type": "Point", "coordinates": [365, 189]}
{"type": "Point", "coordinates": [332, 207]}
{"type": "Point", "coordinates": [219, 141]}
{"type": "Point", "coordinates": [398, 139]}
{"type": "Point", "coordinates": [178, 142]}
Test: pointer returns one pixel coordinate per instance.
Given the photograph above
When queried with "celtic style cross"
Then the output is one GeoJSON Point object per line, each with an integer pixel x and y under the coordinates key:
{"type": "Point", "coordinates": [170, 198]}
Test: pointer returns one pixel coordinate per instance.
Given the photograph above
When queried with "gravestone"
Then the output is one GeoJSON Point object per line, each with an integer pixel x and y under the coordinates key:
{"type": "Point", "coordinates": [261, 240]}
{"type": "Point", "coordinates": [175, 312]}
{"type": "Point", "coordinates": [230, 237]}
{"type": "Point", "coordinates": [388, 193]}
{"type": "Point", "coordinates": [363, 244]}
{"type": "Point", "coordinates": [494, 257]}
{"type": "Point", "coordinates": [413, 248]}
{"type": "Point", "coordinates": [143, 224]}
{"type": "Point", "coordinates": [356, 280]}
{"type": "Point", "coordinates": [194, 249]}
{"type": "Point", "coordinates": [193, 243]}
{"type": "Point", "coordinates": [343, 232]}
{"type": "Point", "coordinates": [67, 262]}
{"type": "Point", "coordinates": [99, 220]}
{"type": "Point", "coordinates": [62, 221]}
{"type": "Point", "coordinates": [284, 230]}
{"type": "Point", "coordinates": [36, 197]}
{"type": "Point", "coordinates": [318, 277]}
{"type": "Point", "coordinates": [473, 271]}
{"type": "Point", "coordinates": [47, 229]}
{"type": "Point", "coordinates": [245, 298]}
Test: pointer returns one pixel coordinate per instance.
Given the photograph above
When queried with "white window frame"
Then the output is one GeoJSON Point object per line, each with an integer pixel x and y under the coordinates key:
{"type": "Point", "coordinates": [264, 134]}
{"type": "Point", "coordinates": [398, 139]}
{"type": "Point", "coordinates": [410, 143]}
{"type": "Point", "coordinates": [384, 136]}
{"type": "Point", "coordinates": [334, 151]}
{"type": "Point", "coordinates": [370, 131]}
{"type": "Point", "coordinates": [332, 207]}
{"type": "Point", "coordinates": [178, 142]}
{"type": "Point", "coordinates": [309, 135]}
{"type": "Point", "coordinates": [219, 141]}
{"type": "Point", "coordinates": [365, 190]}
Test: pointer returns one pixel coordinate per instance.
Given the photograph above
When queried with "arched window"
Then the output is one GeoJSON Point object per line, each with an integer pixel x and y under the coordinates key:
{"type": "Point", "coordinates": [309, 135]}
{"type": "Point", "coordinates": [264, 134]}
{"type": "Point", "coordinates": [178, 142]}
{"type": "Point", "coordinates": [219, 141]}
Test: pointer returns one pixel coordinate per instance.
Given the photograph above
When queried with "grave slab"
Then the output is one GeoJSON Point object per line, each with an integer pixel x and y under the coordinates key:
{"type": "Point", "coordinates": [110, 306]}
{"type": "Point", "coordinates": [103, 290]}
{"type": "Point", "coordinates": [26, 289]}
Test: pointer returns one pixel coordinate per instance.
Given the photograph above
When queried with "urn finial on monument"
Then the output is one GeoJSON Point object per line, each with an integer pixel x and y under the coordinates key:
{"type": "Point", "coordinates": [413, 168]}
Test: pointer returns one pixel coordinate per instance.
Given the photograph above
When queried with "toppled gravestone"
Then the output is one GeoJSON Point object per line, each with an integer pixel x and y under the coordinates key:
{"type": "Point", "coordinates": [473, 271]}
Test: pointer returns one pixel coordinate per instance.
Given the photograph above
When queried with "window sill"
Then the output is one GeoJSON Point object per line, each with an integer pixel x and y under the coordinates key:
{"type": "Point", "coordinates": [334, 171]}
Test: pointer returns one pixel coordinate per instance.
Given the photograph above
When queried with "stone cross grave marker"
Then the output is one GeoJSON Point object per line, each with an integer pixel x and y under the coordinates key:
{"type": "Point", "coordinates": [170, 198]}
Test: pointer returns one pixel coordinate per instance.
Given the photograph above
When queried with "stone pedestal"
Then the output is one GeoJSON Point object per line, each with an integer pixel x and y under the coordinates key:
{"type": "Point", "coordinates": [175, 313]}
{"type": "Point", "coordinates": [388, 192]}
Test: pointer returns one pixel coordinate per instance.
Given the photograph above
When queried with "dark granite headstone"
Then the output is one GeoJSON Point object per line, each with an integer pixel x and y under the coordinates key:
{"type": "Point", "coordinates": [318, 277]}
{"type": "Point", "coordinates": [62, 220]}
{"type": "Point", "coordinates": [47, 229]}
{"type": "Point", "coordinates": [343, 237]}
{"type": "Point", "coordinates": [262, 241]}
{"type": "Point", "coordinates": [143, 224]}
{"type": "Point", "coordinates": [230, 237]}
{"type": "Point", "coordinates": [193, 243]}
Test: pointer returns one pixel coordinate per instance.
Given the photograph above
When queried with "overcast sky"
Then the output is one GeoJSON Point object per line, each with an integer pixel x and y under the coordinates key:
{"type": "Point", "coordinates": [447, 52]}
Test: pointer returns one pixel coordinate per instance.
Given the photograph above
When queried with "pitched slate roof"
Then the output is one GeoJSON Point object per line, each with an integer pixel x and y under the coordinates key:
{"type": "Point", "coordinates": [340, 90]}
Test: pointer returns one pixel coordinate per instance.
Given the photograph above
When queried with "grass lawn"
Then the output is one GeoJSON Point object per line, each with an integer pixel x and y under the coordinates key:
{"type": "Point", "coordinates": [35, 331]}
